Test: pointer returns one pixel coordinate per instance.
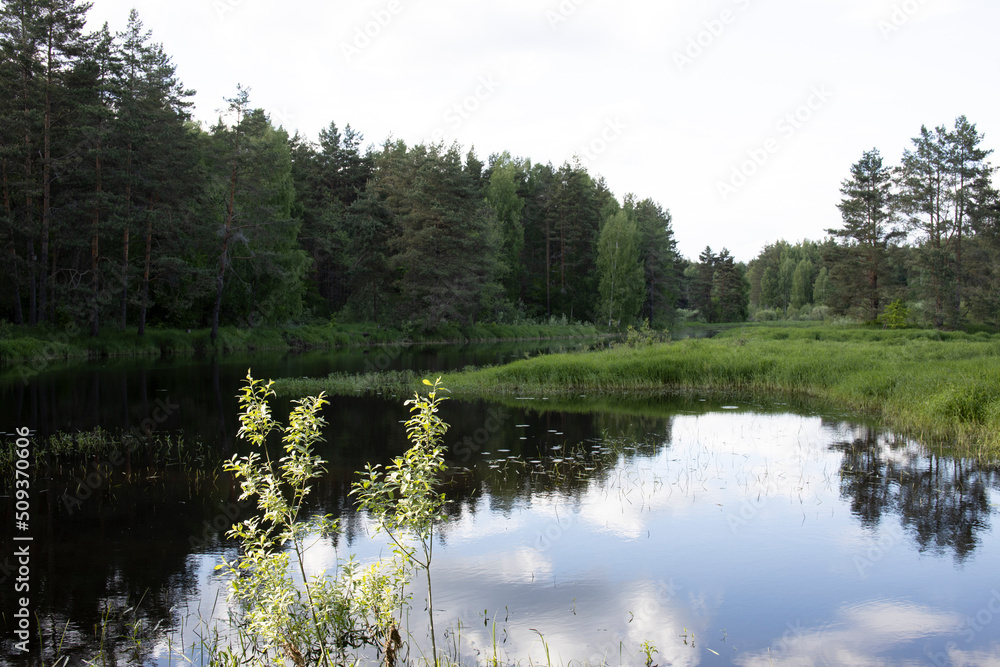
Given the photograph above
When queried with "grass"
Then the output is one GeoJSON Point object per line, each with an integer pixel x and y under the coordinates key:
{"type": "Point", "coordinates": [39, 347]}
{"type": "Point", "coordinates": [935, 386]}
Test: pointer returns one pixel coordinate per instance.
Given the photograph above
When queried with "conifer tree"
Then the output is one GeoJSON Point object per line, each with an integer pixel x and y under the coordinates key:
{"type": "Point", "coordinates": [869, 228]}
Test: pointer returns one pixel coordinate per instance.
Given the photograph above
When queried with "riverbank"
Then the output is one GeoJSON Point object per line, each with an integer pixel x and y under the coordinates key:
{"type": "Point", "coordinates": [934, 386]}
{"type": "Point", "coordinates": [40, 346]}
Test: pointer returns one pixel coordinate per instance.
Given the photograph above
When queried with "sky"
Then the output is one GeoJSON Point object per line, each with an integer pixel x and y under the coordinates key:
{"type": "Point", "coordinates": [741, 117]}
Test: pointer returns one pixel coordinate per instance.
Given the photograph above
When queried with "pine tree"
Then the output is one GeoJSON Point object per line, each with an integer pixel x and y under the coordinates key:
{"type": "Point", "coordinates": [257, 231]}
{"type": "Point", "coordinates": [869, 229]}
{"type": "Point", "coordinates": [944, 179]}
{"type": "Point", "coordinates": [448, 242]}
{"type": "Point", "coordinates": [62, 43]}
{"type": "Point", "coordinates": [573, 217]}
{"type": "Point", "coordinates": [659, 258]}
{"type": "Point", "coordinates": [730, 291]}
{"type": "Point", "coordinates": [369, 226]}
{"type": "Point", "coordinates": [701, 288]}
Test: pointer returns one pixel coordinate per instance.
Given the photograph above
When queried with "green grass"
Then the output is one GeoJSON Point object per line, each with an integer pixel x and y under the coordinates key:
{"type": "Point", "coordinates": [941, 387]}
{"type": "Point", "coordinates": [39, 347]}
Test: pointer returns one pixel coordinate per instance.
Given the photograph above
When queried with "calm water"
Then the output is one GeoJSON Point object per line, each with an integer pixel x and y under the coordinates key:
{"type": "Point", "coordinates": [720, 532]}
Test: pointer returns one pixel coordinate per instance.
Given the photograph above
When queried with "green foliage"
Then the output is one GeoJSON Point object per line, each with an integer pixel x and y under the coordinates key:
{"type": "Point", "coordinates": [619, 269]}
{"type": "Point", "coordinates": [896, 315]}
{"type": "Point", "coordinates": [403, 497]}
{"type": "Point", "coordinates": [319, 620]}
{"type": "Point", "coordinates": [644, 336]}
{"type": "Point", "coordinates": [870, 226]}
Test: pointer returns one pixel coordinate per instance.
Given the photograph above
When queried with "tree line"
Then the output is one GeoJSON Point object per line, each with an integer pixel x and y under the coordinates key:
{"type": "Point", "coordinates": [922, 233]}
{"type": "Point", "coordinates": [120, 211]}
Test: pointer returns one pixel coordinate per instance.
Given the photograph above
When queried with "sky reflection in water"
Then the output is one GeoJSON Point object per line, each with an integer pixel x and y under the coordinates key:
{"type": "Point", "coordinates": [729, 537]}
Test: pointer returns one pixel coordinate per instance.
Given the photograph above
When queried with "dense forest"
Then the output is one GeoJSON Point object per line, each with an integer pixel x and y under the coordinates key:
{"type": "Point", "coordinates": [119, 211]}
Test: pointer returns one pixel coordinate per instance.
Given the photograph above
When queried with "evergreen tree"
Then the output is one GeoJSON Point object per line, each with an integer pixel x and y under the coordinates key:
{"type": "Point", "coordinates": [536, 192]}
{"type": "Point", "coordinates": [658, 253]}
{"type": "Point", "coordinates": [944, 180]}
{"type": "Point", "coordinates": [869, 228]}
{"type": "Point", "coordinates": [257, 235]}
{"type": "Point", "coordinates": [730, 291]}
{"type": "Point", "coordinates": [61, 45]}
{"type": "Point", "coordinates": [573, 224]}
{"type": "Point", "coordinates": [369, 228]}
{"type": "Point", "coordinates": [329, 179]}
{"type": "Point", "coordinates": [448, 242]}
{"type": "Point", "coordinates": [701, 287]}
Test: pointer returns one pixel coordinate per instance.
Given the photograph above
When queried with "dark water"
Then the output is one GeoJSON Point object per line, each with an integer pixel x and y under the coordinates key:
{"type": "Point", "coordinates": [719, 532]}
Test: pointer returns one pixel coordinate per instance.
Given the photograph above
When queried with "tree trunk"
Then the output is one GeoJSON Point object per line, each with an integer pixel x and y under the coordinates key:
{"type": "Point", "coordinates": [224, 255]}
{"type": "Point", "coordinates": [125, 236]}
{"type": "Point", "coordinates": [548, 269]}
{"type": "Point", "coordinates": [95, 311]}
{"type": "Point", "coordinates": [147, 263]}
{"type": "Point", "coordinates": [46, 179]}
{"type": "Point", "coordinates": [14, 273]}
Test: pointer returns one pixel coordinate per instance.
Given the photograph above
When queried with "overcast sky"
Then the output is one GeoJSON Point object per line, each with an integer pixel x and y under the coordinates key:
{"type": "Point", "coordinates": [741, 117]}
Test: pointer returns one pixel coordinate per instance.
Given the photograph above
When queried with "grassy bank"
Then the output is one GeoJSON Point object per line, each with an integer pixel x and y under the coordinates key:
{"type": "Point", "coordinates": [40, 346]}
{"type": "Point", "coordinates": [931, 385]}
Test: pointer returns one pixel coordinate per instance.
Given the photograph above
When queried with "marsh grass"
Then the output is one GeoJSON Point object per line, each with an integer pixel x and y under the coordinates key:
{"type": "Point", "coordinates": [126, 453]}
{"type": "Point", "coordinates": [939, 387]}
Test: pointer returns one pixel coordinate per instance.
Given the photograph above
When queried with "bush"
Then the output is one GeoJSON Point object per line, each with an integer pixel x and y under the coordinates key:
{"type": "Point", "coordinates": [895, 316]}
{"type": "Point", "coordinates": [819, 313]}
{"type": "Point", "coordinates": [765, 315]}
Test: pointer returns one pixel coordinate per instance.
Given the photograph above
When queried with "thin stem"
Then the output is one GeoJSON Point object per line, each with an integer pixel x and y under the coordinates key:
{"type": "Point", "coordinates": [428, 547]}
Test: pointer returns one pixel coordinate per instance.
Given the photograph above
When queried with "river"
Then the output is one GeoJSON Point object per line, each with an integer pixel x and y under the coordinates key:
{"type": "Point", "coordinates": [736, 531]}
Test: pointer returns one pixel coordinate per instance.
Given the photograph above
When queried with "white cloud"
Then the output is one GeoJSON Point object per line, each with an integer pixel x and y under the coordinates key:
{"type": "Point", "coordinates": [859, 637]}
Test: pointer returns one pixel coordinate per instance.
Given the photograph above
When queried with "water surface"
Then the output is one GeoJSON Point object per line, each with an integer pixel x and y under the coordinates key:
{"type": "Point", "coordinates": [720, 532]}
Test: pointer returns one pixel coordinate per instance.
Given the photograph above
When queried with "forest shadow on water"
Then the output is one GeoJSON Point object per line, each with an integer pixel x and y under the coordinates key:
{"type": "Point", "coordinates": [716, 531]}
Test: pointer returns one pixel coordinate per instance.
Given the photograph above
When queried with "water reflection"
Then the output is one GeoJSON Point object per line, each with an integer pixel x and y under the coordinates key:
{"type": "Point", "coordinates": [943, 503]}
{"type": "Point", "coordinates": [713, 534]}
